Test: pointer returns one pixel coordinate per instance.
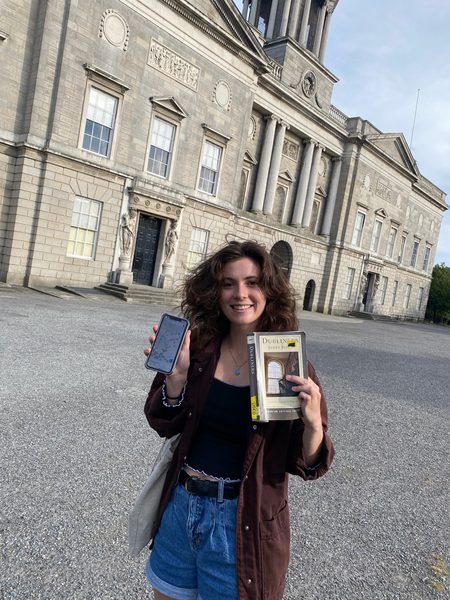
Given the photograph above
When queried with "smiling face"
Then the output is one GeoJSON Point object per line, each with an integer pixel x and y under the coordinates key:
{"type": "Point", "coordinates": [241, 300]}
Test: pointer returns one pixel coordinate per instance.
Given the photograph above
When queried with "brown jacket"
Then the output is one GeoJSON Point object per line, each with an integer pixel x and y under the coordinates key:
{"type": "Point", "coordinates": [274, 450]}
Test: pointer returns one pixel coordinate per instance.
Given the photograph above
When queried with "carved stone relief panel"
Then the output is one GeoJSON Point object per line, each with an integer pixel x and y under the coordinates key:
{"type": "Point", "coordinates": [172, 64]}
{"type": "Point", "coordinates": [290, 149]}
{"type": "Point", "coordinates": [383, 190]}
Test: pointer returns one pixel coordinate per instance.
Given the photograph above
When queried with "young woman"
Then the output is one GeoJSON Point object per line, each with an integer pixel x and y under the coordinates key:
{"type": "Point", "coordinates": [223, 527]}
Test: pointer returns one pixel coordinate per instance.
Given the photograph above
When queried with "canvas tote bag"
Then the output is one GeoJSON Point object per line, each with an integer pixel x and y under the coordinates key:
{"type": "Point", "coordinates": [143, 513]}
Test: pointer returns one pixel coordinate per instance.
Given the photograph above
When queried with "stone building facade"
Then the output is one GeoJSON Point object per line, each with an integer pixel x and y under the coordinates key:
{"type": "Point", "coordinates": [136, 136]}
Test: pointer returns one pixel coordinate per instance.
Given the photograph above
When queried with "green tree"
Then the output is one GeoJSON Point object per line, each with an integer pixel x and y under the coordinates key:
{"type": "Point", "coordinates": [438, 307]}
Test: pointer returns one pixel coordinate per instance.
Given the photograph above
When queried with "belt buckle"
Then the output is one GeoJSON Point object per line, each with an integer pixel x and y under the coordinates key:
{"type": "Point", "coordinates": [186, 485]}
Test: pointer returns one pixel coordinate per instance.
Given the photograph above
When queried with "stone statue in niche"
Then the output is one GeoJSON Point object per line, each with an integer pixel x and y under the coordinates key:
{"type": "Point", "coordinates": [170, 241]}
{"type": "Point", "coordinates": [127, 229]}
{"type": "Point", "coordinates": [362, 291]}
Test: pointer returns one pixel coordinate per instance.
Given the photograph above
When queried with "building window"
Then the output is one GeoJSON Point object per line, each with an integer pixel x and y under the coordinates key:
{"type": "Point", "coordinates": [415, 251]}
{"type": "Point", "coordinates": [426, 258]}
{"type": "Point", "coordinates": [407, 297]}
{"type": "Point", "coordinates": [391, 242]}
{"type": "Point", "coordinates": [349, 283]}
{"type": "Point", "coordinates": [375, 241]}
{"type": "Point", "coordinates": [161, 148]}
{"type": "Point", "coordinates": [198, 246]}
{"type": "Point", "coordinates": [210, 168]}
{"type": "Point", "coordinates": [84, 229]}
{"type": "Point", "coordinates": [383, 288]}
{"type": "Point", "coordinates": [358, 229]}
{"type": "Point", "coordinates": [402, 248]}
{"type": "Point", "coordinates": [100, 119]}
{"type": "Point", "coordinates": [394, 292]}
{"type": "Point", "coordinates": [274, 374]}
{"type": "Point", "coordinates": [420, 299]}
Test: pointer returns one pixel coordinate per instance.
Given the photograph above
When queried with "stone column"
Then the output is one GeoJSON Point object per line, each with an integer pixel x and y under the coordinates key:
{"type": "Point", "coordinates": [331, 199]}
{"type": "Point", "coordinates": [285, 17]}
{"type": "Point", "coordinates": [272, 179]}
{"type": "Point", "coordinates": [293, 23]}
{"type": "Point", "coordinates": [253, 13]}
{"type": "Point", "coordinates": [300, 197]}
{"type": "Point", "coordinates": [319, 29]}
{"type": "Point", "coordinates": [312, 186]}
{"type": "Point", "coordinates": [245, 5]}
{"type": "Point", "coordinates": [273, 14]}
{"type": "Point", "coordinates": [326, 30]}
{"type": "Point", "coordinates": [264, 164]}
{"type": "Point", "coordinates": [304, 23]}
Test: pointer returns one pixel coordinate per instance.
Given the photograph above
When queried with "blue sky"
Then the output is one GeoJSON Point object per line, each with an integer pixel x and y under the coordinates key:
{"type": "Point", "coordinates": [383, 51]}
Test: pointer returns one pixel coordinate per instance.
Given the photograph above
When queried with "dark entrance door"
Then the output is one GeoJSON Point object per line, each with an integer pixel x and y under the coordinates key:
{"type": "Point", "coordinates": [146, 248]}
{"type": "Point", "coordinates": [309, 295]}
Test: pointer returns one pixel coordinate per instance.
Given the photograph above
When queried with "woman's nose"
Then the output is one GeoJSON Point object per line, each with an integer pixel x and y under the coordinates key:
{"type": "Point", "coordinates": [240, 290]}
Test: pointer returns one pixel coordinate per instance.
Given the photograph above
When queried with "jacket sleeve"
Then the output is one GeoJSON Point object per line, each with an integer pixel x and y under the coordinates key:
{"type": "Point", "coordinates": [165, 420]}
{"type": "Point", "coordinates": [296, 464]}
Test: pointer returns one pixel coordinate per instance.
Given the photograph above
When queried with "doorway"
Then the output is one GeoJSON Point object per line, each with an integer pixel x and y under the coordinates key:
{"type": "Point", "coordinates": [147, 241]}
{"type": "Point", "coordinates": [281, 252]}
{"type": "Point", "coordinates": [309, 295]}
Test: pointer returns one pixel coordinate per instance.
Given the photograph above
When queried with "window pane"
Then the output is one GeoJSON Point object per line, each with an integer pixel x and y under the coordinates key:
{"type": "Point", "coordinates": [99, 122]}
{"type": "Point", "coordinates": [84, 231]}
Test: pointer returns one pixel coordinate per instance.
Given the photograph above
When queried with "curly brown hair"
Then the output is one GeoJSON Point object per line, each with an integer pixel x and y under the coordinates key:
{"type": "Point", "coordinates": [200, 293]}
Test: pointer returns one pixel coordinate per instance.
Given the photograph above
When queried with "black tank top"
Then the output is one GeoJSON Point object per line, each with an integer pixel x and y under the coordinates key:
{"type": "Point", "coordinates": [219, 446]}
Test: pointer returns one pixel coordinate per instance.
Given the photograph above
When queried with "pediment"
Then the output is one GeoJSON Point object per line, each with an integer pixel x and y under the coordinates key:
{"type": "Point", "coordinates": [249, 158]}
{"type": "Point", "coordinates": [222, 20]}
{"type": "Point", "coordinates": [395, 146]}
{"type": "Point", "coordinates": [321, 192]}
{"type": "Point", "coordinates": [287, 176]}
{"type": "Point", "coordinates": [381, 213]}
{"type": "Point", "coordinates": [170, 105]}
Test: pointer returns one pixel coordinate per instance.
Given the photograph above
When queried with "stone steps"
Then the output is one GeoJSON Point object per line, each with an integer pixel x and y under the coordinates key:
{"type": "Point", "coordinates": [372, 316]}
{"type": "Point", "coordinates": [143, 294]}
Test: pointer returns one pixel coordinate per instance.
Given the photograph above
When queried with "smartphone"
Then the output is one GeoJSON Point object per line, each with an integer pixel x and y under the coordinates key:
{"type": "Point", "coordinates": [167, 345]}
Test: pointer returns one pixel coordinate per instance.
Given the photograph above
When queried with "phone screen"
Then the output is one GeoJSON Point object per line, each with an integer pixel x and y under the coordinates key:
{"type": "Point", "coordinates": [167, 344]}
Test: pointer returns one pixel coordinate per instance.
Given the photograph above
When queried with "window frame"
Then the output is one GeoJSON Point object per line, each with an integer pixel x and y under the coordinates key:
{"type": "Point", "coordinates": [358, 233]}
{"type": "Point", "coordinates": [420, 296]}
{"type": "Point", "coordinates": [174, 124]}
{"type": "Point", "coordinates": [349, 281]}
{"type": "Point", "coordinates": [407, 296]}
{"type": "Point", "coordinates": [376, 236]}
{"type": "Point", "coordinates": [393, 232]}
{"type": "Point", "coordinates": [209, 142]}
{"type": "Point", "coordinates": [88, 215]}
{"type": "Point", "coordinates": [202, 255]}
{"type": "Point", "coordinates": [401, 252]}
{"type": "Point", "coordinates": [426, 258]}
{"type": "Point", "coordinates": [414, 253]}
{"type": "Point", "coordinates": [111, 86]}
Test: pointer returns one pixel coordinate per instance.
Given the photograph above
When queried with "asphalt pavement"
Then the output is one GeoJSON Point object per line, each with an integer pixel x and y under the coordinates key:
{"type": "Point", "coordinates": [75, 449]}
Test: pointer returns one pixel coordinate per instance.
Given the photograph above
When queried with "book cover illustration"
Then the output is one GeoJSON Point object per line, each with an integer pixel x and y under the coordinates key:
{"type": "Point", "coordinates": [272, 356]}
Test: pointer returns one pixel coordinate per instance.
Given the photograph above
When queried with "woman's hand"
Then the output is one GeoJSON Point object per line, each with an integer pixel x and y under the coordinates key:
{"type": "Point", "coordinates": [175, 382]}
{"type": "Point", "coordinates": [310, 396]}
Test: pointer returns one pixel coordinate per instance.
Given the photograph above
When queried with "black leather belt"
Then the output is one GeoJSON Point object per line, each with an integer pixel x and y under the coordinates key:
{"type": "Point", "coordinates": [205, 487]}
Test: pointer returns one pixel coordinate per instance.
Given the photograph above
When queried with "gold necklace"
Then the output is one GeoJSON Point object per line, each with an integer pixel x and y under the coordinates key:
{"type": "Point", "coordinates": [237, 370]}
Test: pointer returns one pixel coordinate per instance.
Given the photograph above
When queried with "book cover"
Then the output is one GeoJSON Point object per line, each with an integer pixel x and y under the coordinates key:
{"type": "Point", "coordinates": [272, 356]}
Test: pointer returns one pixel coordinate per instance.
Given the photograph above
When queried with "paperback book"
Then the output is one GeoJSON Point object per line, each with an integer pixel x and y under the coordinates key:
{"type": "Point", "coordinates": [272, 356]}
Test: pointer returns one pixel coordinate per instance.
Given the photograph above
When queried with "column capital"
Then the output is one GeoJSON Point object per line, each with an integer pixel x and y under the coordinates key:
{"type": "Point", "coordinates": [284, 124]}
{"type": "Point", "coordinates": [271, 117]}
{"type": "Point", "coordinates": [306, 141]}
{"type": "Point", "coordinates": [336, 158]}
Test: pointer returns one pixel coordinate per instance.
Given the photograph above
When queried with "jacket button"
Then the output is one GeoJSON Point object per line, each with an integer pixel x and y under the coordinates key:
{"type": "Point", "coordinates": [249, 581]}
{"type": "Point", "coordinates": [246, 528]}
{"type": "Point", "coordinates": [189, 414]}
{"type": "Point", "coordinates": [255, 427]}
{"type": "Point", "coordinates": [200, 369]}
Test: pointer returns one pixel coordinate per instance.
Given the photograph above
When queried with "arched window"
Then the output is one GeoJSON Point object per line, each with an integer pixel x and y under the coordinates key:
{"type": "Point", "coordinates": [282, 254]}
{"type": "Point", "coordinates": [274, 374]}
{"type": "Point", "coordinates": [309, 295]}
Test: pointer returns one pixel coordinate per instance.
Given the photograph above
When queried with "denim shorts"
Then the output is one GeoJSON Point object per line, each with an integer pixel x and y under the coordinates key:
{"type": "Point", "coordinates": [194, 552]}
